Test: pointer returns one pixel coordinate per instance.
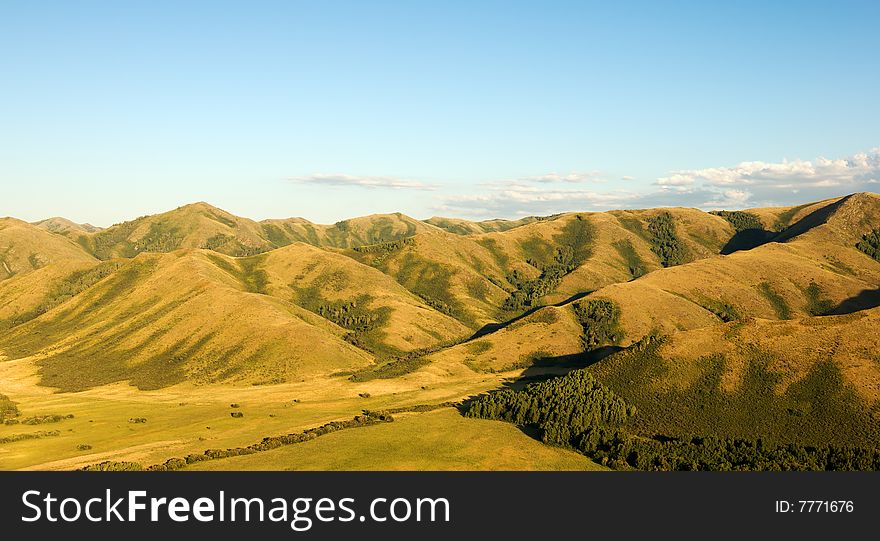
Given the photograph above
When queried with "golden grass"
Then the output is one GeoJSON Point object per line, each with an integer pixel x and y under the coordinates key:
{"type": "Point", "coordinates": [187, 418]}
{"type": "Point", "coordinates": [25, 248]}
{"type": "Point", "coordinates": [438, 440]}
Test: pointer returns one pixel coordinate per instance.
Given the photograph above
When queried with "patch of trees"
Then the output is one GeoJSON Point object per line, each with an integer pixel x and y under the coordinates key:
{"type": "Point", "coordinates": [368, 418]}
{"type": "Point", "coordinates": [528, 292]}
{"type": "Point", "coordinates": [364, 324]}
{"type": "Point", "coordinates": [574, 246]}
{"type": "Point", "coordinates": [385, 247]}
{"type": "Point", "coordinates": [740, 220]}
{"type": "Point", "coordinates": [350, 315]}
{"type": "Point", "coordinates": [114, 241]}
{"type": "Point", "coordinates": [600, 321]}
{"type": "Point", "coordinates": [722, 309]}
{"type": "Point", "coordinates": [750, 232]}
{"type": "Point", "coordinates": [220, 218]}
{"type": "Point", "coordinates": [665, 241]}
{"type": "Point", "coordinates": [870, 244]}
{"type": "Point", "coordinates": [620, 450]}
{"type": "Point", "coordinates": [111, 465]}
{"type": "Point", "coordinates": [231, 246]}
{"type": "Point", "coordinates": [817, 305]}
{"type": "Point", "coordinates": [38, 419]}
{"type": "Point", "coordinates": [8, 409]}
{"type": "Point", "coordinates": [389, 370]}
{"type": "Point", "coordinates": [633, 262]}
{"type": "Point", "coordinates": [776, 300]}
{"type": "Point", "coordinates": [160, 238]}
{"type": "Point", "coordinates": [422, 408]}
{"type": "Point", "coordinates": [30, 436]}
{"type": "Point", "coordinates": [561, 408]}
{"type": "Point", "coordinates": [106, 242]}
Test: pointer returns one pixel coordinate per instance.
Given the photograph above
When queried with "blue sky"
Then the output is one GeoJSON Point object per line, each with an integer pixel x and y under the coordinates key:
{"type": "Point", "coordinates": [327, 110]}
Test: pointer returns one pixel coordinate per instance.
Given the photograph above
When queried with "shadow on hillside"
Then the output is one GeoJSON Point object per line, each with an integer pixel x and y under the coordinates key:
{"type": "Point", "coordinates": [747, 239]}
{"type": "Point", "coordinates": [752, 238]}
{"type": "Point", "coordinates": [551, 367]}
{"type": "Point", "coordinates": [489, 328]}
{"type": "Point", "coordinates": [544, 369]}
{"type": "Point", "coordinates": [811, 220]}
{"type": "Point", "coordinates": [868, 298]}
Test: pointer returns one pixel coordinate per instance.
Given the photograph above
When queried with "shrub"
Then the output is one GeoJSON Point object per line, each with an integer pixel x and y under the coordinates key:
{"type": "Point", "coordinates": [114, 466]}
{"type": "Point", "coordinates": [664, 240]}
{"type": "Point", "coordinates": [599, 319]}
{"type": "Point", "coordinates": [816, 304]}
{"type": "Point", "coordinates": [43, 419]}
{"type": "Point", "coordinates": [776, 300]}
{"type": "Point", "coordinates": [8, 408]}
{"type": "Point", "coordinates": [870, 244]}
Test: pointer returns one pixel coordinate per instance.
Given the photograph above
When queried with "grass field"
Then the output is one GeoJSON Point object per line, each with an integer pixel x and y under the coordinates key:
{"type": "Point", "coordinates": [186, 418]}
{"type": "Point", "coordinates": [438, 440]}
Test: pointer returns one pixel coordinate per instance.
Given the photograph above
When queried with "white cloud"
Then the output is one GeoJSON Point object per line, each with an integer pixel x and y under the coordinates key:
{"type": "Point", "coordinates": [524, 200]}
{"type": "Point", "coordinates": [819, 173]}
{"type": "Point", "coordinates": [362, 181]}
{"type": "Point", "coordinates": [749, 184]}
{"type": "Point", "coordinates": [573, 177]}
{"type": "Point", "coordinates": [774, 183]}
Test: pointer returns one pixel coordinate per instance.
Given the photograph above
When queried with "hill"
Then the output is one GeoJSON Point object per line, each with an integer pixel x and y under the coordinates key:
{"type": "Point", "coordinates": [346, 233]}
{"type": "Point", "coordinates": [25, 248]}
{"type": "Point", "coordinates": [382, 316]}
{"type": "Point", "coordinates": [198, 225]}
{"type": "Point", "coordinates": [161, 319]}
{"type": "Point", "coordinates": [812, 380]}
{"type": "Point", "coordinates": [65, 226]}
{"type": "Point", "coordinates": [693, 327]}
{"type": "Point", "coordinates": [467, 227]}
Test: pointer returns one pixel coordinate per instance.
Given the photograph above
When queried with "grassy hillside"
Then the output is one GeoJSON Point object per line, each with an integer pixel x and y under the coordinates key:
{"type": "Point", "coordinates": [158, 320]}
{"type": "Point", "coordinates": [344, 234]}
{"type": "Point", "coordinates": [466, 227]}
{"type": "Point", "coordinates": [811, 381]}
{"type": "Point", "coordinates": [380, 314]}
{"type": "Point", "coordinates": [198, 225]}
{"type": "Point", "coordinates": [819, 272]}
{"type": "Point", "coordinates": [25, 248]}
{"type": "Point", "coordinates": [453, 274]}
{"type": "Point", "coordinates": [65, 226]}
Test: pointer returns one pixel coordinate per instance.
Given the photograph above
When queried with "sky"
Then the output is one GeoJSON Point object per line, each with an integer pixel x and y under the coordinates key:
{"type": "Point", "coordinates": [476, 109]}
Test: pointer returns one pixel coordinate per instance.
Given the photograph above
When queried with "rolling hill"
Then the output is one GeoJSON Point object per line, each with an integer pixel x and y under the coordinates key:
{"type": "Point", "coordinates": [731, 324]}
{"type": "Point", "coordinates": [350, 233]}
{"type": "Point", "coordinates": [25, 248]}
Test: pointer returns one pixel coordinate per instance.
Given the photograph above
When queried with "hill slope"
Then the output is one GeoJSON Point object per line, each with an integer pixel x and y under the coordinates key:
{"type": "Point", "coordinates": [25, 248]}
{"type": "Point", "coordinates": [157, 320]}
{"type": "Point", "coordinates": [346, 233]}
